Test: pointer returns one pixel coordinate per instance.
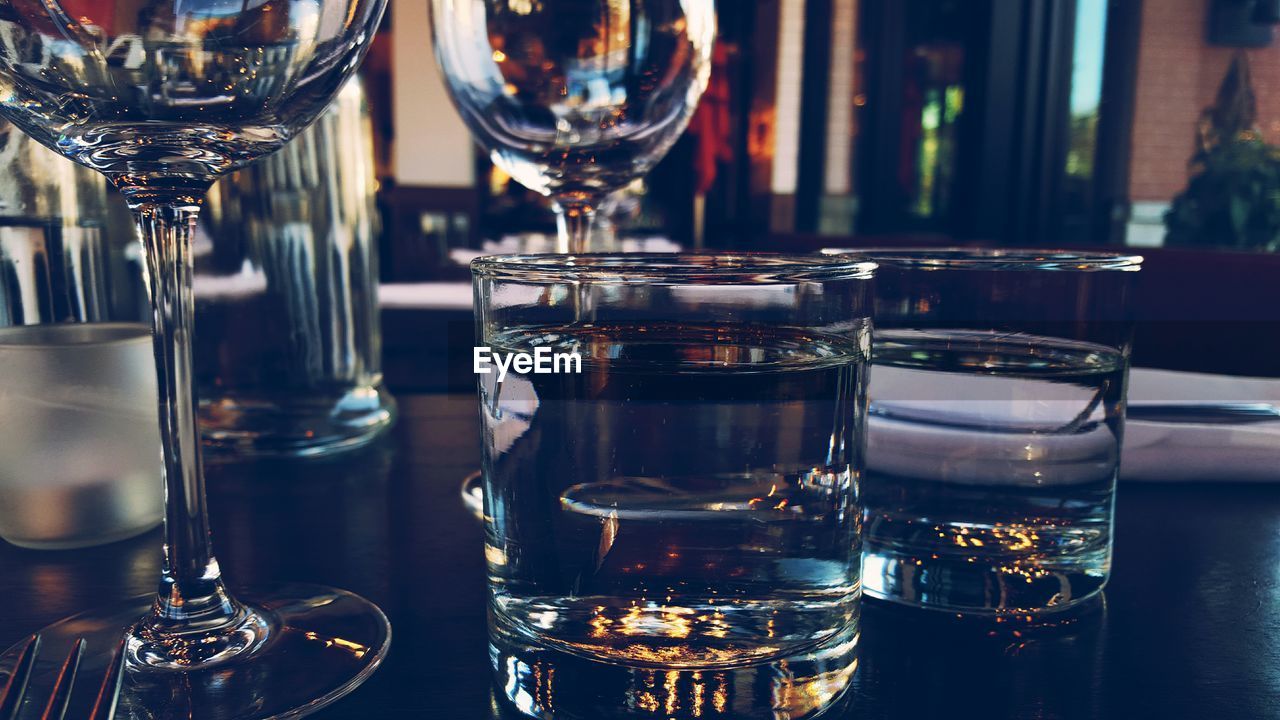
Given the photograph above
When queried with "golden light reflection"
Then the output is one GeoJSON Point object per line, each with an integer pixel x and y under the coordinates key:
{"type": "Point", "coordinates": [679, 656]}
{"type": "Point", "coordinates": [600, 627]}
{"type": "Point", "coordinates": [1014, 537]}
{"type": "Point", "coordinates": [813, 693]}
{"type": "Point", "coordinates": [357, 650]}
{"type": "Point", "coordinates": [720, 696]}
{"type": "Point", "coordinates": [524, 7]}
{"type": "Point", "coordinates": [645, 699]}
{"type": "Point", "coordinates": [673, 698]}
{"type": "Point", "coordinates": [697, 692]}
{"type": "Point", "coordinates": [495, 555]}
{"type": "Point", "coordinates": [544, 685]}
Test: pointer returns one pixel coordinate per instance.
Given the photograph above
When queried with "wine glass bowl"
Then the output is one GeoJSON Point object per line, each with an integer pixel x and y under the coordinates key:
{"type": "Point", "coordinates": [575, 98]}
{"type": "Point", "coordinates": [171, 94]}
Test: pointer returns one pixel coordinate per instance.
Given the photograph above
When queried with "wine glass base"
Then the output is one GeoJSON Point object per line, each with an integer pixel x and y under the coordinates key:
{"type": "Point", "coordinates": [327, 642]}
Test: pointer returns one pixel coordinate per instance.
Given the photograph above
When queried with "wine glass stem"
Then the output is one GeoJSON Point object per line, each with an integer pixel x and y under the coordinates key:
{"type": "Point", "coordinates": [191, 590]}
{"type": "Point", "coordinates": [575, 223]}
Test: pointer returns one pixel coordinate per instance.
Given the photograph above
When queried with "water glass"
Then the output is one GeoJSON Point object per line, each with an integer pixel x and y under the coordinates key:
{"type": "Point", "coordinates": [288, 346]}
{"type": "Point", "coordinates": [997, 413]}
{"type": "Point", "coordinates": [672, 455]}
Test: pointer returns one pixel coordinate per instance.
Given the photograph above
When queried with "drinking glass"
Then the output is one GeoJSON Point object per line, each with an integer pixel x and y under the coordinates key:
{"type": "Point", "coordinates": [288, 359]}
{"type": "Point", "coordinates": [997, 412]}
{"type": "Point", "coordinates": [574, 99]}
{"type": "Point", "coordinates": [674, 521]}
{"type": "Point", "coordinates": [162, 97]}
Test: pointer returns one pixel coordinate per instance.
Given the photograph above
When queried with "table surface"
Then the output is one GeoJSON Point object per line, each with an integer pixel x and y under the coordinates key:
{"type": "Point", "coordinates": [1190, 625]}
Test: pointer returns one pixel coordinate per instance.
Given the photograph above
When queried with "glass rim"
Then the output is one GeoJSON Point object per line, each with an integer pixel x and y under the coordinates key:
{"type": "Point", "coordinates": [64, 335]}
{"type": "Point", "coordinates": [963, 258]}
{"type": "Point", "coordinates": [753, 268]}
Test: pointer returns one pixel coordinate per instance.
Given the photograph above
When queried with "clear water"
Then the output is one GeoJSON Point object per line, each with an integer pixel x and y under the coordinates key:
{"type": "Point", "coordinates": [991, 470]}
{"type": "Point", "coordinates": [688, 501]}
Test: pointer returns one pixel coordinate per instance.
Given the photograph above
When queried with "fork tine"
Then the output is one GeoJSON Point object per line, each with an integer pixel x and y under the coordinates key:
{"type": "Point", "coordinates": [57, 707]}
{"type": "Point", "coordinates": [104, 708]}
{"type": "Point", "coordinates": [16, 686]}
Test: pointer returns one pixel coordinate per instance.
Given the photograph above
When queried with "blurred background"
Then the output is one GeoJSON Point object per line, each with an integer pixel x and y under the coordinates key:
{"type": "Point", "coordinates": [1152, 125]}
{"type": "Point", "coordinates": [861, 122]}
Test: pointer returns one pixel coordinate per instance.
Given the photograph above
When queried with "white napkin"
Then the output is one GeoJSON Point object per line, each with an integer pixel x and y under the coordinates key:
{"type": "Point", "coordinates": [928, 425]}
{"type": "Point", "coordinates": [425, 296]}
{"type": "Point", "coordinates": [939, 426]}
{"type": "Point", "coordinates": [1178, 452]}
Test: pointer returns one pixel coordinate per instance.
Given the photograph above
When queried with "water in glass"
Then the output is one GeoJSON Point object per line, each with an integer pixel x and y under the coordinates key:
{"type": "Point", "coordinates": [721, 525]}
{"type": "Point", "coordinates": [992, 461]}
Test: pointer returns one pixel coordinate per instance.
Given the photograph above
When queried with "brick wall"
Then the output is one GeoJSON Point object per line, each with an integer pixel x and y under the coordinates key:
{"type": "Point", "coordinates": [1178, 75]}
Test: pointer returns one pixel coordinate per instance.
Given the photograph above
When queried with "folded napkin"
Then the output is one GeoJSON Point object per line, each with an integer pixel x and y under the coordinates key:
{"type": "Point", "coordinates": [425, 296]}
{"type": "Point", "coordinates": [1189, 451]}
{"type": "Point", "coordinates": [1002, 431]}
{"type": "Point", "coordinates": [987, 430]}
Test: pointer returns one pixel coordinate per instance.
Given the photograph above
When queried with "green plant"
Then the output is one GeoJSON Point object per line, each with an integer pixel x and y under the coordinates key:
{"type": "Point", "coordinates": [1233, 197]}
{"type": "Point", "coordinates": [1233, 201]}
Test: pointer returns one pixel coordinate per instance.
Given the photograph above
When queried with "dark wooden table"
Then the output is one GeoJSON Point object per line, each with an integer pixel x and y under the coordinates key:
{"type": "Point", "coordinates": [1190, 627]}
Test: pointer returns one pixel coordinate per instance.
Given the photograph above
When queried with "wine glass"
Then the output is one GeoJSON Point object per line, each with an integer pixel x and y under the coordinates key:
{"type": "Point", "coordinates": [162, 97]}
{"type": "Point", "coordinates": [574, 99]}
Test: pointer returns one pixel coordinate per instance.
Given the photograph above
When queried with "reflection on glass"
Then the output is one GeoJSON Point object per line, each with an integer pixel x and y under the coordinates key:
{"type": "Point", "coordinates": [53, 255]}
{"type": "Point", "coordinates": [575, 98]}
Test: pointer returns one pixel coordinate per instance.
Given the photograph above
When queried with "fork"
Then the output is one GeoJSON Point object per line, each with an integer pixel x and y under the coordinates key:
{"type": "Point", "coordinates": [15, 688]}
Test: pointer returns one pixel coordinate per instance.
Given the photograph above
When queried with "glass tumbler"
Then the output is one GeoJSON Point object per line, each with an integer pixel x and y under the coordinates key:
{"type": "Point", "coordinates": [672, 455]}
{"type": "Point", "coordinates": [994, 435]}
{"type": "Point", "coordinates": [288, 341]}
